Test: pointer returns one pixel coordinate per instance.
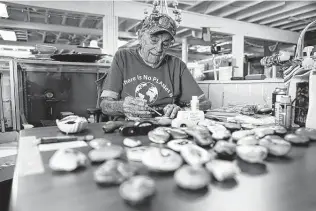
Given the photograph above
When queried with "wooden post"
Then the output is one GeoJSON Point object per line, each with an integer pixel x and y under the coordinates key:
{"type": "Point", "coordinates": [110, 29]}
{"type": "Point", "coordinates": [185, 50]}
{"type": "Point", "coordinates": [238, 54]}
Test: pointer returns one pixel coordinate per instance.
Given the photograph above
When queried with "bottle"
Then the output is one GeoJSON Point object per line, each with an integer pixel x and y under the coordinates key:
{"type": "Point", "coordinates": [311, 114]}
{"type": "Point", "coordinates": [277, 91]}
{"type": "Point", "coordinates": [195, 103]}
{"type": "Point", "coordinates": [283, 111]}
{"type": "Point", "coordinates": [195, 115]}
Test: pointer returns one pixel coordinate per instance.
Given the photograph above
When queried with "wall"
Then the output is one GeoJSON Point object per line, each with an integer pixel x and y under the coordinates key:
{"type": "Point", "coordinates": [223, 93]}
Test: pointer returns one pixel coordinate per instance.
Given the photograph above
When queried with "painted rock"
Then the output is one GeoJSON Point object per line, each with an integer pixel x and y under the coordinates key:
{"type": "Point", "coordinates": [262, 132]}
{"type": "Point", "coordinates": [222, 170]}
{"type": "Point", "coordinates": [137, 190]}
{"type": "Point", "coordinates": [161, 159]}
{"type": "Point", "coordinates": [114, 172]}
{"type": "Point", "coordinates": [98, 143]}
{"type": "Point", "coordinates": [310, 133]}
{"type": "Point", "coordinates": [232, 127]}
{"type": "Point", "coordinates": [225, 150]}
{"type": "Point", "coordinates": [242, 133]}
{"type": "Point", "coordinates": [297, 139]}
{"type": "Point", "coordinates": [159, 135]}
{"type": "Point", "coordinates": [279, 130]}
{"type": "Point", "coordinates": [177, 133]}
{"type": "Point", "coordinates": [248, 140]}
{"type": "Point", "coordinates": [201, 135]}
{"type": "Point", "coordinates": [206, 122]}
{"type": "Point", "coordinates": [178, 144]}
{"type": "Point", "coordinates": [106, 153]}
{"type": "Point", "coordinates": [67, 160]}
{"type": "Point", "coordinates": [192, 178]}
{"type": "Point", "coordinates": [129, 142]}
{"type": "Point", "coordinates": [275, 145]}
{"type": "Point", "coordinates": [136, 153]}
{"type": "Point", "coordinates": [252, 153]}
{"type": "Point", "coordinates": [195, 155]}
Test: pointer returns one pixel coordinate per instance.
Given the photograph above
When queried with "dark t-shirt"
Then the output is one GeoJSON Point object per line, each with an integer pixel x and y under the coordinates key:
{"type": "Point", "coordinates": [170, 83]}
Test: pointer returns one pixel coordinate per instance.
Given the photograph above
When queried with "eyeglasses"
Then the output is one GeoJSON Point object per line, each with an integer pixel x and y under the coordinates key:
{"type": "Point", "coordinates": [165, 44]}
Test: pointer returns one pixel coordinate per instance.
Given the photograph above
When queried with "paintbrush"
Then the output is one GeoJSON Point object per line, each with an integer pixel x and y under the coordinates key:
{"type": "Point", "coordinates": [148, 106]}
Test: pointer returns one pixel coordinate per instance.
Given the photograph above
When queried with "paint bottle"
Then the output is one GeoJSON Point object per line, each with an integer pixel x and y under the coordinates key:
{"type": "Point", "coordinates": [195, 103]}
{"type": "Point", "coordinates": [283, 111]}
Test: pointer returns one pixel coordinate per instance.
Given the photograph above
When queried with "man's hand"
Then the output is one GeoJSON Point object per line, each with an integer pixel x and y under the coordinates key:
{"type": "Point", "coordinates": [171, 110]}
{"type": "Point", "coordinates": [136, 107]}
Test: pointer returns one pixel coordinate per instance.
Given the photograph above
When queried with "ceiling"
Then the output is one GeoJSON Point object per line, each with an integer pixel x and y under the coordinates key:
{"type": "Point", "coordinates": [44, 25]}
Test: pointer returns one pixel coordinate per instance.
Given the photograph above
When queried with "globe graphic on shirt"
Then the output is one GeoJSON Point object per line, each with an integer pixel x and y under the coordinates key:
{"type": "Point", "coordinates": [147, 91]}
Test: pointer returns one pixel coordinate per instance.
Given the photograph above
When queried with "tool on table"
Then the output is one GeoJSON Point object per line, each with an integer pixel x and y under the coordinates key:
{"type": "Point", "coordinates": [57, 139]}
{"type": "Point", "coordinates": [148, 107]}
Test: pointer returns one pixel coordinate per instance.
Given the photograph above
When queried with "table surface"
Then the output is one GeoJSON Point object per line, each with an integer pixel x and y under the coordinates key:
{"type": "Point", "coordinates": [281, 184]}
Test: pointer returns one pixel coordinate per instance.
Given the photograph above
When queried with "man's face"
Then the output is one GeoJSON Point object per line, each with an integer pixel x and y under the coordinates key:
{"type": "Point", "coordinates": [154, 47]}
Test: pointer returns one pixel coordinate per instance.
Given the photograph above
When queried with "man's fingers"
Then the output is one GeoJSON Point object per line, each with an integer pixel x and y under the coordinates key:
{"type": "Point", "coordinates": [168, 110]}
{"type": "Point", "coordinates": [174, 112]}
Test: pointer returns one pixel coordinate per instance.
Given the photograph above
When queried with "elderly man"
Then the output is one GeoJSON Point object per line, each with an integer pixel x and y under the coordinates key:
{"type": "Point", "coordinates": [146, 78]}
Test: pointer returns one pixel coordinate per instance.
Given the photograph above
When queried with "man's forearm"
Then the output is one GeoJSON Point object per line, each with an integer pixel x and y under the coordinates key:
{"type": "Point", "coordinates": [112, 107]}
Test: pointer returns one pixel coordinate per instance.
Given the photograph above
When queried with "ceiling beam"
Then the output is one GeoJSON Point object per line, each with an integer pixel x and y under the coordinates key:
{"type": "Point", "coordinates": [189, 19]}
{"type": "Point", "coordinates": [259, 10]}
{"type": "Point", "coordinates": [292, 8]}
{"type": "Point", "coordinates": [132, 26]}
{"type": "Point", "coordinates": [198, 2]}
{"type": "Point", "coordinates": [312, 28]}
{"type": "Point", "coordinates": [182, 31]}
{"type": "Point", "coordinates": [82, 20]}
{"type": "Point", "coordinates": [59, 46]}
{"type": "Point", "coordinates": [220, 5]}
{"type": "Point", "coordinates": [300, 27]}
{"type": "Point", "coordinates": [226, 26]}
{"type": "Point", "coordinates": [296, 23]}
{"type": "Point", "coordinates": [238, 9]}
{"type": "Point", "coordinates": [58, 28]}
{"type": "Point", "coordinates": [300, 17]}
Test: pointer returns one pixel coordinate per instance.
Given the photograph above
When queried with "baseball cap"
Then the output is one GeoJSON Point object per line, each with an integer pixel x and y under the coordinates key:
{"type": "Point", "coordinates": [160, 22]}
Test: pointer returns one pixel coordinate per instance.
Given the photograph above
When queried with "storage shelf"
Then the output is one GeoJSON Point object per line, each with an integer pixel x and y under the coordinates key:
{"type": "Point", "coordinates": [242, 81]}
{"type": "Point", "coordinates": [52, 62]}
{"type": "Point", "coordinates": [218, 69]}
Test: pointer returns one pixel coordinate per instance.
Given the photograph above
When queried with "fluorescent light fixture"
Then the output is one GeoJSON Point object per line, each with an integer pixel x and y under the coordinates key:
{"type": "Point", "coordinates": [8, 35]}
{"type": "Point", "coordinates": [3, 10]}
